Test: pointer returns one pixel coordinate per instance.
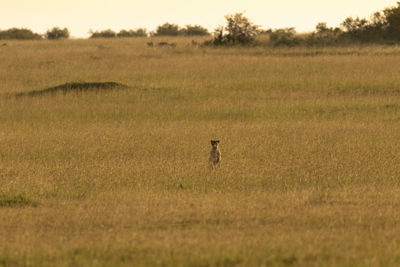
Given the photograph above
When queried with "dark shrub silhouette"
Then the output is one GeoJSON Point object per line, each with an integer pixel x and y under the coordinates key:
{"type": "Point", "coordinates": [57, 33]}
{"type": "Point", "coordinates": [133, 33]}
{"type": "Point", "coordinates": [323, 36]}
{"type": "Point", "coordinates": [167, 29]}
{"type": "Point", "coordinates": [195, 30]}
{"type": "Point", "coordinates": [284, 37]}
{"type": "Point", "coordinates": [103, 34]}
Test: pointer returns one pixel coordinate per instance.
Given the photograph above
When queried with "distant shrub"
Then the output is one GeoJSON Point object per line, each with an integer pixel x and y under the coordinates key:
{"type": "Point", "coordinates": [103, 34]}
{"type": "Point", "coordinates": [284, 37]}
{"type": "Point", "coordinates": [324, 36]}
{"type": "Point", "coordinates": [133, 33]}
{"type": "Point", "coordinates": [170, 29]}
{"type": "Point", "coordinates": [167, 29]}
{"type": "Point", "coordinates": [195, 30]}
{"type": "Point", "coordinates": [57, 33]}
{"type": "Point", "coordinates": [19, 34]}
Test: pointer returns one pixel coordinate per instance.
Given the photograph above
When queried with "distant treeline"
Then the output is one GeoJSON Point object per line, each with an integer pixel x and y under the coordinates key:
{"type": "Point", "coordinates": [383, 27]}
{"type": "Point", "coordinates": [166, 29]}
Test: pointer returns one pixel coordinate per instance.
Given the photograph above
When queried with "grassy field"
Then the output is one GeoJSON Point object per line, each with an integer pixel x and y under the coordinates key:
{"type": "Point", "coordinates": [310, 174]}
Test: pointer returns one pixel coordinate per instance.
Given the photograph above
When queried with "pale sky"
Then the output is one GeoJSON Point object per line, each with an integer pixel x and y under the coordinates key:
{"type": "Point", "coordinates": [79, 16]}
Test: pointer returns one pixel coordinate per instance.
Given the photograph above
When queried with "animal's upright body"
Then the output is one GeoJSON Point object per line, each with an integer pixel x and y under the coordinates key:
{"type": "Point", "coordinates": [215, 155]}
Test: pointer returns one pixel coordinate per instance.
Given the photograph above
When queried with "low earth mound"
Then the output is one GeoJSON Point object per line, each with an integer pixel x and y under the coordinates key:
{"type": "Point", "coordinates": [74, 87]}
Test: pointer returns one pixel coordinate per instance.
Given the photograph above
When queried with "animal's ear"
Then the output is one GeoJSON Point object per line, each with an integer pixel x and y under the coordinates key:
{"type": "Point", "coordinates": [212, 141]}
{"type": "Point", "coordinates": [217, 141]}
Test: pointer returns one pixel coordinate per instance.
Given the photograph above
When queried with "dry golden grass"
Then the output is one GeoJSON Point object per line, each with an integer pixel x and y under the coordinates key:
{"type": "Point", "coordinates": [310, 142]}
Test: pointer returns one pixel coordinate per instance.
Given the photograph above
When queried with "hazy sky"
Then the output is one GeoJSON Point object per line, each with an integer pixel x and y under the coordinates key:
{"type": "Point", "coordinates": [79, 16]}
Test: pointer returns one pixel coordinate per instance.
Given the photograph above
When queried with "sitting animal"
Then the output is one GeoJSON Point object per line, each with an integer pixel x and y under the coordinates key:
{"type": "Point", "coordinates": [215, 155]}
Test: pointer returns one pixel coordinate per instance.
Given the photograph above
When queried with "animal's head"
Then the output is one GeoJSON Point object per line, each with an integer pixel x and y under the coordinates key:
{"type": "Point", "coordinates": [215, 143]}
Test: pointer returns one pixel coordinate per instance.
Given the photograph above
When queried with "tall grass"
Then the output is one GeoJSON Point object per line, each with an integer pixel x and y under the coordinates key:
{"type": "Point", "coordinates": [310, 170]}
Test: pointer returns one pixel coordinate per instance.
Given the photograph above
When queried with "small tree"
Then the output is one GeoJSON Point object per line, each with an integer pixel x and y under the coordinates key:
{"type": "Point", "coordinates": [378, 21]}
{"type": "Point", "coordinates": [57, 33]}
{"type": "Point", "coordinates": [238, 31]}
{"type": "Point", "coordinates": [321, 27]}
{"type": "Point", "coordinates": [356, 25]}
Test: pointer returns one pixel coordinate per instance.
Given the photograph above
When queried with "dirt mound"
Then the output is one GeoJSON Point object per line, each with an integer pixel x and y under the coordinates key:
{"type": "Point", "coordinates": [74, 87]}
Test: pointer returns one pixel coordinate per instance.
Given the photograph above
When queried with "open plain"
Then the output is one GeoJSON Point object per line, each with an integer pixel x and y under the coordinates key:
{"type": "Point", "coordinates": [310, 138]}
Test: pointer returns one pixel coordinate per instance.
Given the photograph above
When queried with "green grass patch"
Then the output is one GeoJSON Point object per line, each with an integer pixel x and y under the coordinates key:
{"type": "Point", "coordinates": [16, 200]}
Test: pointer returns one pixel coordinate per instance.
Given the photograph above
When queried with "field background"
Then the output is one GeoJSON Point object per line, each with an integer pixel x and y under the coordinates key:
{"type": "Point", "coordinates": [310, 139]}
